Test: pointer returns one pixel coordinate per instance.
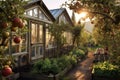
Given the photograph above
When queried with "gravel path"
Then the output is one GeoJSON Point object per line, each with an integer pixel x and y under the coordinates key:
{"type": "Point", "coordinates": [83, 70]}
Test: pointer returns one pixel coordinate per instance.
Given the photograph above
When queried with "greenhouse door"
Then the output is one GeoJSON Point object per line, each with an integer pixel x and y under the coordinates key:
{"type": "Point", "coordinates": [36, 40]}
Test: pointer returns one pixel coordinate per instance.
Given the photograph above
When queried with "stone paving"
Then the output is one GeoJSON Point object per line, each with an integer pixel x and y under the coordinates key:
{"type": "Point", "coordinates": [83, 70]}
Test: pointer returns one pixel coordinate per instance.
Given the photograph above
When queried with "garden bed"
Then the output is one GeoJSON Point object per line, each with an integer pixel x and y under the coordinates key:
{"type": "Point", "coordinates": [36, 76]}
{"type": "Point", "coordinates": [105, 78]}
{"type": "Point", "coordinates": [106, 71]}
{"type": "Point", "coordinates": [53, 68]}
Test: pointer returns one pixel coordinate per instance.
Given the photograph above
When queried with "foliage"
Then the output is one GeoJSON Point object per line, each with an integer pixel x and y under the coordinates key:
{"type": "Point", "coordinates": [105, 15]}
{"type": "Point", "coordinates": [11, 22]}
{"type": "Point", "coordinates": [73, 60]}
{"type": "Point", "coordinates": [54, 65]}
{"type": "Point", "coordinates": [79, 53]}
{"type": "Point", "coordinates": [64, 61]}
{"type": "Point", "coordinates": [55, 68]}
{"type": "Point", "coordinates": [46, 66]}
{"type": "Point", "coordinates": [37, 66]}
{"type": "Point", "coordinates": [56, 31]}
{"type": "Point", "coordinates": [85, 38]}
{"type": "Point", "coordinates": [106, 69]}
{"type": "Point", "coordinates": [76, 32]}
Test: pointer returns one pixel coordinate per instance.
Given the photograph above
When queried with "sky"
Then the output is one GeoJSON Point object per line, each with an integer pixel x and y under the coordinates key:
{"type": "Point", "coordinates": [54, 4]}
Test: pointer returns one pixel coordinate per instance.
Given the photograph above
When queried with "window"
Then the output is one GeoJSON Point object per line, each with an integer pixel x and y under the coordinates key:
{"type": "Point", "coordinates": [36, 13]}
{"type": "Point", "coordinates": [62, 18]}
{"type": "Point", "coordinates": [42, 16]}
{"type": "Point", "coordinates": [36, 40]}
{"type": "Point", "coordinates": [40, 34]}
{"type": "Point", "coordinates": [47, 37]}
{"type": "Point", "coordinates": [29, 13]}
{"type": "Point", "coordinates": [37, 51]}
{"type": "Point", "coordinates": [36, 33]}
{"type": "Point", "coordinates": [68, 37]}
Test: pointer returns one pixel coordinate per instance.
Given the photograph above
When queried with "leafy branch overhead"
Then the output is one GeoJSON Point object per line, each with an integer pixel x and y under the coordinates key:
{"type": "Point", "coordinates": [105, 15]}
{"type": "Point", "coordinates": [105, 8]}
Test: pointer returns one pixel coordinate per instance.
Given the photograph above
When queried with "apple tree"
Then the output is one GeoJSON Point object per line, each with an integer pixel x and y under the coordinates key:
{"type": "Point", "coordinates": [11, 23]}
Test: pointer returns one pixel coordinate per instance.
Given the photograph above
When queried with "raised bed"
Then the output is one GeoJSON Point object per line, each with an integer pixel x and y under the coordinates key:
{"type": "Point", "coordinates": [35, 76]}
{"type": "Point", "coordinates": [105, 78]}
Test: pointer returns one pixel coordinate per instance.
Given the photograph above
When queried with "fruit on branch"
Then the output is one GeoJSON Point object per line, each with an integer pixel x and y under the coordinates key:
{"type": "Point", "coordinates": [17, 39]}
{"type": "Point", "coordinates": [17, 22]}
{"type": "Point", "coordinates": [11, 15]}
{"type": "Point", "coordinates": [106, 10]}
{"type": "Point", "coordinates": [5, 34]}
{"type": "Point", "coordinates": [21, 24]}
{"type": "Point", "coordinates": [13, 29]}
{"type": "Point", "coordinates": [4, 24]}
{"type": "Point", "coordinates": [6, 71]}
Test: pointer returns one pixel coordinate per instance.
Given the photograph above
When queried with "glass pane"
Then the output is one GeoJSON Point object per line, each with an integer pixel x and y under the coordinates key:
{"type": "Point", "coordinates": [62, 19]}
{"type": "Point", "coordinates": [29, 12]}
{"type": "Point", "coordinates": [41, 50]}
{"type": "Point", "coordinates": [34, 33]}
{"type": "Point", "coordinates": [37, 51]}
{"type": "Point", "coordinates": [35, 12]}
{"type": "Point", "coordinates": [40, 14]}
{"type": "Point", "coordinates": [40, 33]}
{"type": "Point", "coordinates": [48, 38]}
{"type": "Point", "coordinates": [33, 52]}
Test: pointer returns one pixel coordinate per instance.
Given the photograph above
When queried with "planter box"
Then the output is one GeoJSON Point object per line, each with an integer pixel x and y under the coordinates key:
{"type": "Point", "coordinates": [57, 76]}
{"type": "Point", "coordinates": [105, 78]}
{"type": "Point", "coordinates": [35, 76]}
{"type": "Point", "coordinates": [13, 76]}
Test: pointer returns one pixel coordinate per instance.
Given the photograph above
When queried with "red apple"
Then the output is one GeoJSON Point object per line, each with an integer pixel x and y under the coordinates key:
{"type": "Point", "coordinates": [17, 39]}
{"type": "Point", "coordinates": [21, 25]}
{"type": "Point", "coordinates": [4, 24]}
{"type": "Point", "coordinates": [15, 22]}
{"type": "Point", "coordinates": [6, 71]}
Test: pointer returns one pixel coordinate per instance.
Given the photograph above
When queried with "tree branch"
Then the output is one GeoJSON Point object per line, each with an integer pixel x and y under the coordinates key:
{"type": "Point", "coordinates": [107, 16]}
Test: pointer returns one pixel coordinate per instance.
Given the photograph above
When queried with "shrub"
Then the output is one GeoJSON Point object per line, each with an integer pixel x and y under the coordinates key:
{"type": "Point", "coordinates": [55, 68]}
{"type": "Point", "coordinates": [64, 61]}
{"type": "Point", "coordinates": [73, 60]}
{"type": "Point", "coordinates": [78, 52]}
{"type": "Point", "coordinates": [54, 65]}
{"type": "Point", "coordinates": [37, 66]}
{"type": "Point", "coordinates": [46, 66]}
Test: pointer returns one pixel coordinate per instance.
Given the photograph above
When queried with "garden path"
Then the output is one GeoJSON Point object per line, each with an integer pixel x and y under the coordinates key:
{"type": "Point", "coordinates": [83, 70]}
